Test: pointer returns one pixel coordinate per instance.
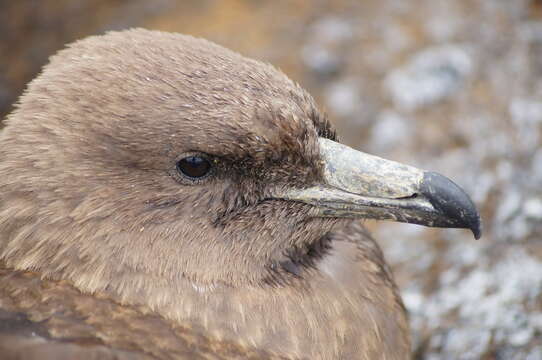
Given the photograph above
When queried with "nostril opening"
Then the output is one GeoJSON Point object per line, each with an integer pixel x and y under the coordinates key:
{"type": "Point", "coordinates": [413, 196]}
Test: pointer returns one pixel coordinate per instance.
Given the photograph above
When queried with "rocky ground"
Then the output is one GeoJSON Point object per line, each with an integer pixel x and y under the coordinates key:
{"type": "Point", "coordinates": [454, 86]}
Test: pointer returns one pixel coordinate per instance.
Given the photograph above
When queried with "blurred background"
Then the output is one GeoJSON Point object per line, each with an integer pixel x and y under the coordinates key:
{"type": "Point", "coordinates": [454, 86]}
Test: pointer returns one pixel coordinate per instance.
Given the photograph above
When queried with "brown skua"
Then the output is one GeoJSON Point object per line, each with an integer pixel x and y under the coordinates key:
{"type": "Point", "coordinates": [164, 197]}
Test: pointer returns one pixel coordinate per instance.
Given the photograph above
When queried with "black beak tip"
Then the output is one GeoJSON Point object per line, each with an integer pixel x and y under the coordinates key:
{"type": "Point", "coordinates": [452, 202]}
{"type": "Point", "coordinates": [476, 229]}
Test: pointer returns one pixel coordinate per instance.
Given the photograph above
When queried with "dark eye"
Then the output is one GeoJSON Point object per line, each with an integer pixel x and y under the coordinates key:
{"type": "Point", "coordinates": [194, 167]}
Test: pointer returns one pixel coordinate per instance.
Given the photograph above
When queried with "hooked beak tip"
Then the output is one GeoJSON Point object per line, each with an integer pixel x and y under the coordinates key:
{"type": "Point", "coordinates": [451, 201]}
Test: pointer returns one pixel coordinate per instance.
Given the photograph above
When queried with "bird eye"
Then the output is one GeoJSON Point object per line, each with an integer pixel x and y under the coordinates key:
{"type": "Point", "coordinates": [194, 167]}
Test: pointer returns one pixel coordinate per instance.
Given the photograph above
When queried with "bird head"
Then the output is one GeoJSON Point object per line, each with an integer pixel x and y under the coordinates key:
{"type": "Point", "coordinates": [149, 156]}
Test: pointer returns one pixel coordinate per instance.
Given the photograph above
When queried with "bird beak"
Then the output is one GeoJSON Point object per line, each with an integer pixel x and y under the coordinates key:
{"type": "Point", "coordinates": [359, 185]}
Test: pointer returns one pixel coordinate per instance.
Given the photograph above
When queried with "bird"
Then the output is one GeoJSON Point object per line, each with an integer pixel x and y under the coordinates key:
{"type": "Point", "coordinates": [163, 197]}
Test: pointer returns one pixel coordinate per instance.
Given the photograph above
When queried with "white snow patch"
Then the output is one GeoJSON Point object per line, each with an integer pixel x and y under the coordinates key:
{"type": "Point", "coordinates": [390, 131]}
{"type": "Point", "coordinates": [532, 208]}
{"type": "Point", "coordinates": [343, 97]}
{"type": "Point", "coordinates": [430, 76]}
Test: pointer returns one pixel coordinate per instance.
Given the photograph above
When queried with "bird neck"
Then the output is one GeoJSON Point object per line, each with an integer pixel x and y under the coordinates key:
{"type": "Point", "coordinates": [342, 306]}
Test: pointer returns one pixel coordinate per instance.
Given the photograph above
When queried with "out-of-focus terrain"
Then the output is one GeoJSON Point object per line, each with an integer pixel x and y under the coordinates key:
{"type": "Point", "coordinates": [451, 86]}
